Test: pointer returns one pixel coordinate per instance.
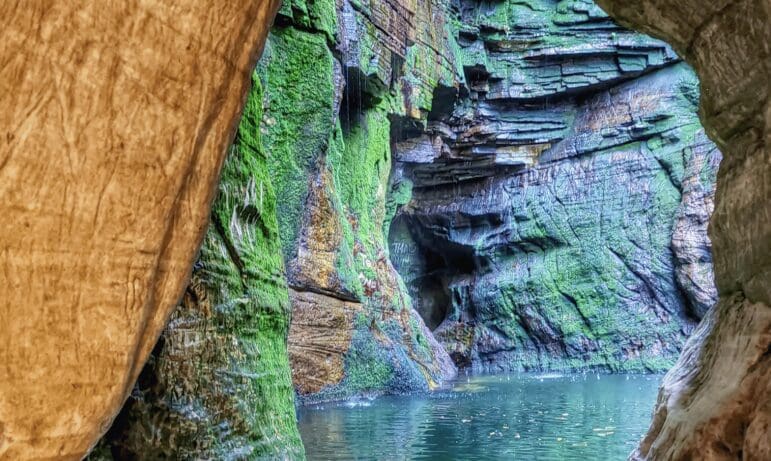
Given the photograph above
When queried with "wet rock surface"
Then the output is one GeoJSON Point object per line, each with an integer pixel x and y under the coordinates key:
{"type": "Point", "coordinates": [558, 209]}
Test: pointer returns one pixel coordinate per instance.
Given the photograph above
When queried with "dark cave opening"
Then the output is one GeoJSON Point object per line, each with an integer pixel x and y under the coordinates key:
{"type": "Point", "coordinates": [360, 93]}
{"type": "Point", "coordinates": [433, 301]}
{"type": "Point", "coordinates": [434, 271]}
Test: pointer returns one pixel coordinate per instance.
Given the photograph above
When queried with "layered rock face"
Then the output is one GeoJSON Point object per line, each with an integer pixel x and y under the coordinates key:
{"type": "Point", "coordinates": [716, 401]}
{"type": "Point", "coordinates": [554, 216]}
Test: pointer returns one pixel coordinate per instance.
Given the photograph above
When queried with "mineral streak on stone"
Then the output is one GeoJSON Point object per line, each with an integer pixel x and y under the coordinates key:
{"type": "Point", "coordinates": [558, 209]}
{"type": "Point", "coordinates": [321, 336]}
{"type": "Point", "coordinates": [328, 125]}
{"type": "Point", "coordinates": [116, 119]}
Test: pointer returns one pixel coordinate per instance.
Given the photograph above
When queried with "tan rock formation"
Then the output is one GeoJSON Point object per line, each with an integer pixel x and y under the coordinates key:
{"type": "Point", "coordinates": [116, 117]}
{"type": "Point", "coordinates": [319, 336]}
{"type": "Point", "coordinates": [716, 402]}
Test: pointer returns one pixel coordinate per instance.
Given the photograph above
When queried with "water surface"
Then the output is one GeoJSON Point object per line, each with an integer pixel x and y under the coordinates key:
{"type": "Point", "coordinates": [522, 416]}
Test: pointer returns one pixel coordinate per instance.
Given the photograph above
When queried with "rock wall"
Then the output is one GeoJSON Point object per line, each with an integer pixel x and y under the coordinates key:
{"type": "Point", "coordinates": [78, 227]}
{"type": "Point", "coordinates": [109, 159]}
{"type": "Point", "coordinates": [716, 401]}
{"type": "Point", "coordinates": [328, 127]}
{"type": "Point", "coordinates": [558, 209]}
{"type": "Point", "coordinates": [298, 222]}
{"type": "Point", "coordinates": [570, 155]}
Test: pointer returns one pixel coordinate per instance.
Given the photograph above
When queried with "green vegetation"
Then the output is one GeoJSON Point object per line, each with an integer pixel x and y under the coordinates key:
{"type": "Point", "coordinates": [298, 73]}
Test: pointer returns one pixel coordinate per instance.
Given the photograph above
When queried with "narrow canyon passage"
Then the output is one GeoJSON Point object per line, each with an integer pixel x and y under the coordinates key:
{"type": "Point", "coordinates": [443, 229]}
{"type": "Point", "coordinates": [507, 188]}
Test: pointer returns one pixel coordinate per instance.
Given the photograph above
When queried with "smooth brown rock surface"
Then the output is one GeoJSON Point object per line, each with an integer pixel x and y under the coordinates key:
{"type": "Point", "coordinates": [115, 121]}
{"type": "Point", "coordinates": [715, 403]}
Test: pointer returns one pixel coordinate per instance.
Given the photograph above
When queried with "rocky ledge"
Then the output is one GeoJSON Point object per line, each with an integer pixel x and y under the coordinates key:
{"type": "Point", "coordinates": [553, 213]}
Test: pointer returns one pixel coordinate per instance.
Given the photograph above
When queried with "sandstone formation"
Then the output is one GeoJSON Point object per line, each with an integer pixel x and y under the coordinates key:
{"type": "Point", "coordinates": [539, 231]}
{"type": "Point", "coordinates": [715, 403]}
{"type": "Point", "coordinates": [116, 118]}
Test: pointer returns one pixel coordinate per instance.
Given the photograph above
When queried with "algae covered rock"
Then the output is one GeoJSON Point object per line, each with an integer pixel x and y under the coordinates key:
{"type": "Point", "coordinates": [331, 155]}
{"type": "Point", "coordinates": [558, 210]}
{"type": "Point", "coordinates": [218, 383]}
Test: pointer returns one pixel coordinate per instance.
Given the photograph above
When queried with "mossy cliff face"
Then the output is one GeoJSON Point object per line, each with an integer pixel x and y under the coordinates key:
{"type": "Point", "coordinates": [298, 227]}
{"type": "Point", "coordinates": [332, 89]}
{"type": "Point", "coordinates": [558, 209]}
{"type": "Point", "coordinates": [541, 175]}
{"type": "Point", "coordinates": [218, 383]}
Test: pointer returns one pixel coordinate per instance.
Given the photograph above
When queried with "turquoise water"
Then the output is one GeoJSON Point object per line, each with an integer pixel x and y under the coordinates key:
{"type": "Point", "coordinates": [523, 417]}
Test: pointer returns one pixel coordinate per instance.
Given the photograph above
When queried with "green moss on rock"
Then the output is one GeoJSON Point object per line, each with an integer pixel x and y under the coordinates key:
{"type": "Point", "coordinates": [298, 73]}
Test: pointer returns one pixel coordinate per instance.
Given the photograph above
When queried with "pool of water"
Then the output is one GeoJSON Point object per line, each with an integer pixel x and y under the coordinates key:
{"type": "Point", "coordinates": [522, 416]}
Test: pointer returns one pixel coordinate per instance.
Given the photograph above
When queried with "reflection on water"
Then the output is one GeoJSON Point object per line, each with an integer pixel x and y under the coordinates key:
{"type": "Point", "coordinates": [526, 417]}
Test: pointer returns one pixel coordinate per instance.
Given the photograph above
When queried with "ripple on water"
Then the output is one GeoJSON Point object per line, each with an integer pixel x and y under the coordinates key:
{"type": "Point", "coordinates": [532, 417]}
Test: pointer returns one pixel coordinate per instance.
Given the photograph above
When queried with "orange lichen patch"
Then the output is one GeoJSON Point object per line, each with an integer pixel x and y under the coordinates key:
{"type": "Point", "coordinates": [617, 113]}
{"type": "Point", "coordinates": [314, 265]}
{"type": "Point", "coordinates": [612, 116]}
{"type": "Point", "coordinates": [527, 154]}
{"type": "Point", "coordinates": [319, 336]}
{"type": "Point", "coordinates": [474, 130]}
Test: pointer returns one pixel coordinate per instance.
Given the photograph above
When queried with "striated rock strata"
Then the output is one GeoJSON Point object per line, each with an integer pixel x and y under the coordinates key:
{"type": "Point", "coordinates": [714, 404]}
{"type": "Point", "coordinates": [554, 216]}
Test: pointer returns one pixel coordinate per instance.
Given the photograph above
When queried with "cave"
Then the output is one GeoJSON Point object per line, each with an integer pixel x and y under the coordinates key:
{"type": "Point", "coordinates": [328, 205]}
